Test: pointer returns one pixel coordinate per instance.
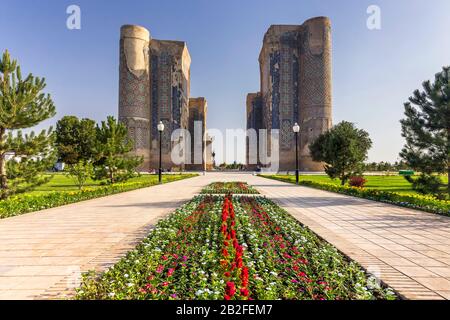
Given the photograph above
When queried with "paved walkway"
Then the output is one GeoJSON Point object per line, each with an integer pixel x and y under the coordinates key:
{"type": "Point", "coordinates": [42, 254]}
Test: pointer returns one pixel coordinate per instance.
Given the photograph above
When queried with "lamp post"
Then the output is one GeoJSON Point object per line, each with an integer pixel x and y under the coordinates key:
{"type": "Point", "coordinates": [296, 129]}
{"type": "Point", "coordinates": [160, 129]}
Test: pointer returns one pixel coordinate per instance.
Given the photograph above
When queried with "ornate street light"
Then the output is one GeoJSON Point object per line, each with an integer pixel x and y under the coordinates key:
{"type": "Point", "coordinates": [296, 129]}
{"type": "Point", "coordinates": [160, 129]}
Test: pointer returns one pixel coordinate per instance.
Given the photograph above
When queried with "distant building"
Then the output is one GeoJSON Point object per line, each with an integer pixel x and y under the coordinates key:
{"type": "Point", "coordinates": [197, 126]}
{"type": "Point", "coordinates": [295, 68]}
{"type": "Point", "coordinates": [254, 121]}
{"type": "Point", "coordinates": [154, 86]}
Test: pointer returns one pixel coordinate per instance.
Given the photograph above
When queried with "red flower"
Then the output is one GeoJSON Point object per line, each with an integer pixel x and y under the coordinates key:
{"type": "Point", "coordinates": [170, 272]}
{"type": "Point", "coordinates": [244, 276]}
{"type": "Point", "coordinates": [225, 252]}
{"type": "Point", "coordinates": [230, 289]}
{"type": "Point", "coordinates": [227, 274]}
{"type": "Point", "coordinates": [244, 292]}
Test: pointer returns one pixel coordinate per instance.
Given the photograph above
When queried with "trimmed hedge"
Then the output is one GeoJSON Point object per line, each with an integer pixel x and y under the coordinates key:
{"type": "Point", "coordinates": [419, 202]}
{"type": "Point", "coordinates": [29, 203]}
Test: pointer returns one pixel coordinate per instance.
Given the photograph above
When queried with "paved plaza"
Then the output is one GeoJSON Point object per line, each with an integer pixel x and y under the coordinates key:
{"type": "Point", "coordinates": [42, 254]}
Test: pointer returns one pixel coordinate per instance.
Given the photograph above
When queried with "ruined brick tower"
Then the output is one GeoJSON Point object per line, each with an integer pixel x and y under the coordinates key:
{"type": "Point", "coordinates": [154, 86]}
{"type": "Point", "coordinates": [134, 88]}
{"type": "Point", "coordinates": [295, 68]}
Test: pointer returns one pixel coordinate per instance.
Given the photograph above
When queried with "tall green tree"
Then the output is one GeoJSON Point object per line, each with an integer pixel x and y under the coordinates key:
{"type": "Point", "coordinates": [115, 162]}
{"type": "Point", "coordinates": [426, 127]}
{"type": "Point", "coordinates": [343, 149]}
{"type": "Point", "coordinates": [75, 140]}
{"type": "Point", "coordinates": [23, 105]}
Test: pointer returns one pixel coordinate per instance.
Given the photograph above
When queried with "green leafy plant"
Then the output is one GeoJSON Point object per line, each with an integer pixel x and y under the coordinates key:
{"type": "Point", "coordinates": [80, 172]}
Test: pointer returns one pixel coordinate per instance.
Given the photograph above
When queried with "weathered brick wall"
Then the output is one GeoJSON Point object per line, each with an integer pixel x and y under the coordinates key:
{"type": "Point", "coordinates": [134, 88]}
{"type": "Point", "coordinates": [295, 68]}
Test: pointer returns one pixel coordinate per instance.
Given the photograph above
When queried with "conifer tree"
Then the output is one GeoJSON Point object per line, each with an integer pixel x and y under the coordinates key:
{"type": "Point", "coordinates": [23, 105]}
{"type": "Point", "coordinates": [426, 128]}
{"type": "Point", "coordinates": [115, 163]}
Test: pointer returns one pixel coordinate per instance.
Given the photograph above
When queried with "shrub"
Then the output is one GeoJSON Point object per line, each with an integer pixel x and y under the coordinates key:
{"type": "Point", "coordinates": [427, 184]}
{"type": "Point", "coordinates": [357, 181]}
{"type": "Point", "coordinates": [419, 202]}
{"type": "Point", "coordinates": [80, 172]}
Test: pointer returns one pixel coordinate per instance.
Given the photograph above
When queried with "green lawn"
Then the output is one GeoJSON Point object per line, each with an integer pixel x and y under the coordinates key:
{"type": "Point", "coordinates": [396, 183]}
{"type": "Point", "coordinates": [62, 190]}
{"type": "Point", "coordinates": [61, 182]}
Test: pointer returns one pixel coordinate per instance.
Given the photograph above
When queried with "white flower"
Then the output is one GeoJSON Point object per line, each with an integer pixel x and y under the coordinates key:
{"type": "Point", "coordinates": [199, 292]}
{"type": "Point", "coordinates": [126, 275]}
{"type": "Point", "coordinates": [111, 294]}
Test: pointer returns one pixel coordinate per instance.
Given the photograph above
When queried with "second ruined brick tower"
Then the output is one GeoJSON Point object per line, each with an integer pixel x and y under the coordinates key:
{"type": "Point", "coordinates": [295, 68]}
{"type": "Point", "coordinates": [154, 86]}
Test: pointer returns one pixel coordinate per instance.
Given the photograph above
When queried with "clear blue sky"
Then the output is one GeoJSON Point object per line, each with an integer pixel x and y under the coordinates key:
{"type": "Point", "coordinates": [374, 72]}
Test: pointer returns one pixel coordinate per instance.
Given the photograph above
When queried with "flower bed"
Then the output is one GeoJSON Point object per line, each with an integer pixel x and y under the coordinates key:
{"type": "Point", "coordinates": [29, 203]}
{"type": "Point", "coordinates": [232, 248]}
{"type": "Point", "coordinates": [419, 202]}
{"type": "Point", "coordinates": [229, 187]}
